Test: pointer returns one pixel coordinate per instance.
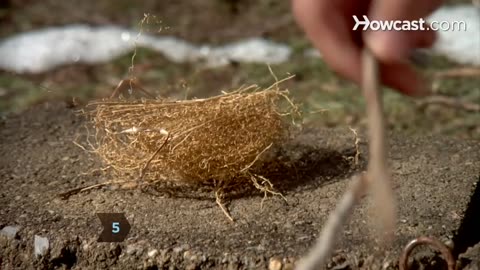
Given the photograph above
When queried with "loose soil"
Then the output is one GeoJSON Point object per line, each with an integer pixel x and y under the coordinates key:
{"type": "Point", "coordinates": [435, 180]}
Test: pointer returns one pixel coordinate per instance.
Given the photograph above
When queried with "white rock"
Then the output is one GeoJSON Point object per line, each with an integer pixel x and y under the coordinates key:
{"type": "Point", "coordinates": [41, 246]}
{"type": "Point", "coordinates": [131, 249]}
{"type": "Point", "coordinates": [10, 231]}
{"type": "Point", "coordinates": [152, 253]}
{"type": "Point", "coordinates": [274, 264]}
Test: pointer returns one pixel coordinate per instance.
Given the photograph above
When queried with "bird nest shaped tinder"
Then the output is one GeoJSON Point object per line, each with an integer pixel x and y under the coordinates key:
{"type": "Point", "coordinates": [214, 141]}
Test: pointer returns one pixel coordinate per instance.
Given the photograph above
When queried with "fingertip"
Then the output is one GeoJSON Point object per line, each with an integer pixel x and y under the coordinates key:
{"type": "Point", "coordinates": [305, 11]}
{"type": "Point", "coordinates": [388, 46]}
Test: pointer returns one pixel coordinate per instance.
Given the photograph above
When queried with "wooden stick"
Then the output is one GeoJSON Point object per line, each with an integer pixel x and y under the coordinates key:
{"type": "Point", "coordinates": [378, 172]}
{"type": "Point", "coordinates": [323, 248]}
{"type": "Point", "coordinates": [450, 102]}
{"type": "Point", "coordinates": [377, 178]}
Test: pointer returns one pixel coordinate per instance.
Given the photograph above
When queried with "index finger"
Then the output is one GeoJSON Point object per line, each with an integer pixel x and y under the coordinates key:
{"type": "Point", "coordinates": [325, 25]}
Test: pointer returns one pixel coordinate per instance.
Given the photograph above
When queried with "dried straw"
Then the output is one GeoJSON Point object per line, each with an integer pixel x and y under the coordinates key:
{"type": "Point", "coordinates": [215, 141]}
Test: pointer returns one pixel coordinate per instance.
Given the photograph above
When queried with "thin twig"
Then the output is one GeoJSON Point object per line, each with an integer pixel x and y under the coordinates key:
{"type": "Point", "coordinates": [458, 72]}
{"type": "Point", "coordinates": [266, 186]}
{"type": "Point", "coordinates": [377, 178]}
{"type": "Point", "coordinates": [378, 172]}
{"type": "Point", "coordinates": [218, 200]}
{"type": "Point", "coordinates": [82, 147]}
{"type": "Point", "coordinates": [256, 158]}
{"type": "Point", "coordinates": [67, 194]}
{"type": "Point", "coordinates": [323, 248]}
{"type": "Point", "coordinates": [450, 102]}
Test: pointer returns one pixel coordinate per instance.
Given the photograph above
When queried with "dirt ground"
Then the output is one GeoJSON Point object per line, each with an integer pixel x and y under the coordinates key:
{"type": "Point", "coordinates": [436, 181]}
{"type": "Point", "coordinates": [435, 155]}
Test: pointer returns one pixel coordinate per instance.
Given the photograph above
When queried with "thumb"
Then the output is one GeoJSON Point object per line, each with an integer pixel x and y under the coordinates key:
{"type": "Point", "coordinates": [395, 46]}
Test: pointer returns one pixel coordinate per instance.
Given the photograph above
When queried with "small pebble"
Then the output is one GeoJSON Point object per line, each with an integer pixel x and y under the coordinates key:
{"type": "Point", "coordinates": [274, 264]}
{"type": "Point", "coordinates": [180, 248]}
{"type": "Point", "coordinates": [10, 231]}
{"type": "Point", "coordinates": [152, 253]}
{"type": "Point", "coordinates": [134, 249]}
{"type": "Point", "coordinates": [450, 244]}
{"type": "Point", "coordinates": [41, 245]}
{"type": "Point", "coordinates": [189, 255]}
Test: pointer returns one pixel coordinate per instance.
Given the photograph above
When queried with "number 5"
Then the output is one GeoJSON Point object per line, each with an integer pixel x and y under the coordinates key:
{"type": "Point", "coordinates": [116, 227]}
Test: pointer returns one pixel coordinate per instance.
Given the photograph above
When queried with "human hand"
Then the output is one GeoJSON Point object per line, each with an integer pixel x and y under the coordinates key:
{"type": "Point", "coordinates": [328, 24]}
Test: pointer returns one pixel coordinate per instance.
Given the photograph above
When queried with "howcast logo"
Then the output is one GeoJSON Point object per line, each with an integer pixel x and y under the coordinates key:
{"type": "Point", "coordinates": [396, 25]}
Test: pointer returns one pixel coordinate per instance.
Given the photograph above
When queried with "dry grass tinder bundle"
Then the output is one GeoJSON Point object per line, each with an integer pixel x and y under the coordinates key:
{"type": "Point", "coordinates": [202, 141]}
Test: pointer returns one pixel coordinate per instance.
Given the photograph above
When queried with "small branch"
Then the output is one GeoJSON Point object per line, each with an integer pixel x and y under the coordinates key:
{"type": "Point", "coordinates": [67, 194]}
{"type": "Point", "coordinates": [377, 179]}
{"type": "Point", "coordinates": [458, 72]}
{"type": "Point", "coordinates": [449, 102]}
{"type": "Point", "coordinates": [378, 172]}
{"type": "Point", "coordinates": [322, 250]}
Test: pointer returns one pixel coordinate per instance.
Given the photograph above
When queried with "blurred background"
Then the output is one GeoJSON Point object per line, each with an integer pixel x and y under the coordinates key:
{"type": "Point", "coordinates": [207, 27]}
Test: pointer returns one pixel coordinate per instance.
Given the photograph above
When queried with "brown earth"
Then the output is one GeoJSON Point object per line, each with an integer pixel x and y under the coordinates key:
{"type": "Point", "coordinates": [435, 179]}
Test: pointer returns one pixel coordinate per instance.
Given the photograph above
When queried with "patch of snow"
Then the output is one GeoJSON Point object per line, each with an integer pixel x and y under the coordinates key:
{"type": "Point", "coordinates": [42, 50]}
{"type": "Point", "coordinates": [458, 45]}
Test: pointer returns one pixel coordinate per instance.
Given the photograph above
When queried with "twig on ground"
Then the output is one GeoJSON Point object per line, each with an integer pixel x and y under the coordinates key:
{"type": "Point", "coordinates": [458, 72]}
{"type": "Point", "coordinates": [67, 194]}
{"type": "Point", "coordinates": [450, 102]}
{"type": "Point", "coordinates": [218, 200]}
